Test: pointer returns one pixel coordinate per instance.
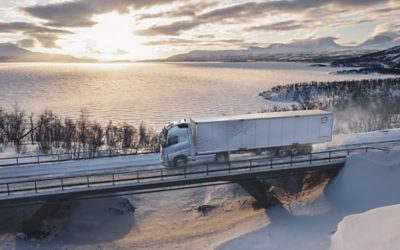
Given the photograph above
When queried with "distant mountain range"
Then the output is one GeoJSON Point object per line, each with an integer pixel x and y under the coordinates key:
{"type": "Point", "coordinates": [12, 53]}
{"type": "Point", "coordinates": [308, 50]}
{"type": "Point", "coordinates": [373, 53]}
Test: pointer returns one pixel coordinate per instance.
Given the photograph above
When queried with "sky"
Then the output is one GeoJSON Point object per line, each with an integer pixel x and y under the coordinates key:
{"type": "Point", "coordinates": [150, 29]}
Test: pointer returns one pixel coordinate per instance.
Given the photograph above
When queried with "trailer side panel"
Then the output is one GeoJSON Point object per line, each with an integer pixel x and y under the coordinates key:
{"type": "Point", "coordinates": [231, 135]}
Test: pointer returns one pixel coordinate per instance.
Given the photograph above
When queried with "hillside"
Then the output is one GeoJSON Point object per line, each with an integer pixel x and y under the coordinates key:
{"type": "Point", "coordinates": [386, 59]}
{"type": "Point", "coordinates": [359, 105]}
{"type": "Point", "coordinates": [12, 53]}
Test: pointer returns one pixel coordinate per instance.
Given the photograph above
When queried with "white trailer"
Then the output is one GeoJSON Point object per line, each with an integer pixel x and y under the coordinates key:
{"type": "Point", "coordinates": [281, 133]}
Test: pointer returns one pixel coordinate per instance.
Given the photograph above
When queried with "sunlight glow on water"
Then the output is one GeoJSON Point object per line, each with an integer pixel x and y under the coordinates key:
{"type": "Point", "coordinates": [151, 92]}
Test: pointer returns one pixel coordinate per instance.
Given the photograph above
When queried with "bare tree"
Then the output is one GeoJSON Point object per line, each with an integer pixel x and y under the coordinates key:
{"type": "Point", "coordinates": [95, 136]}
{"type": "Point", "coordinates": [49, 131]}
{"type": "Point", "coordinates": [144, 139]}
{"type": "Point", "coordinates": [113, 137]}
{"type": "Point", "coordinates": [16, 126]}
{"type": "Point", "coordinates": [43, 133]}
{"type": "Point", "coordinates": [129, 136]}
{"type": "Point", "coordinates": [2, 126]}
{"type": "Point", "coordinates": [83, 124]}
{"type": "Point", "coordinates": [32, 128]}
{"type": "Point", "coordinates": [70, 134]}
{"type": "Point", "coordinates": [154, 141]}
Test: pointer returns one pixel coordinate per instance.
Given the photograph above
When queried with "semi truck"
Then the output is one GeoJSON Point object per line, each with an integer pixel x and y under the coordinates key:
{"type": "Point", "coordinates": [279, 133]}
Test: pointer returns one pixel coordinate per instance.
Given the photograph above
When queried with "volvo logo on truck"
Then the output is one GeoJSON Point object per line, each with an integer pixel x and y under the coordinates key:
{"type": "Point", "coordinates": [280, 133]}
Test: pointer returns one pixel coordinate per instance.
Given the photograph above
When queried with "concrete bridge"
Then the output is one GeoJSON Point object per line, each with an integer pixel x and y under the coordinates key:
{"type": "Point", "coordinates": [245, 172]}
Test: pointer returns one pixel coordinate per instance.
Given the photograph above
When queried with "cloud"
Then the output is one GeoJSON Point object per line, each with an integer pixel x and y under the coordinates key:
{"type": "Point", "coordinates": [191, 42]}
{"type": "Point", "coordinates": [206, 36]}
{"type": "Point", "coordinates": [47, 37]}
{"type": "Point", "coordinates": [169, 42]}
{"type": "Point", "coordinates": [79, 13]}
{"type": "Point", "coordinates": [26, 43]}
{"type": "Point", "coordinates": [185, 10]}
{"type": "Point", "coordinates": [391, 29]}
{"type": "Point", "coordinates": [28, 28]}
{"type": "Point", "coordinates": [170, 29]}
{"type": "Point", "coordinates": [279, 26]}
{"type": "Point", "coordinates": [250, 10]}
{"type": "Point", "coordinates": [387, 10]}
{"type": "Point", "coordinates": [46, 40]}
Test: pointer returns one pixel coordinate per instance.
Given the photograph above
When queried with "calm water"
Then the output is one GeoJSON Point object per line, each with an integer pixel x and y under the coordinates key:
{"type": "Point", "coordinates": [151, 92]}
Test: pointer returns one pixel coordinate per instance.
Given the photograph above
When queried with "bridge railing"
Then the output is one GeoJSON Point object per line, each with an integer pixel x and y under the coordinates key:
{"type": "Point", "coordinates": [93, 154]}
{"type": "Point", "coordinates": [138, 177]}
{"type": "Point", "coordinates": [53, 158]}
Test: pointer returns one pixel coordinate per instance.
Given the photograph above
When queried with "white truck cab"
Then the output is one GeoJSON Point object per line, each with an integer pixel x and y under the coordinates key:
{"type": "Point", "coordinates": [175, 144]}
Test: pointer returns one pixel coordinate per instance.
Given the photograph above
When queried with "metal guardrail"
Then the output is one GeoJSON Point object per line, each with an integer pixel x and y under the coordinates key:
{"type": "Point", "coordinates": [84, 155]}
{"type": "Point", "coordinates": [113, 179]}
{"type": "Point", "coordinates": [53, 158]}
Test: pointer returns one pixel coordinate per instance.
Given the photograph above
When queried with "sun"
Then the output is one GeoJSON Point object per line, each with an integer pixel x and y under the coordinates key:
{"type": "Point", "coordinates": [112, 33]}
{"type": "Point", "coordinates": [111, 38]}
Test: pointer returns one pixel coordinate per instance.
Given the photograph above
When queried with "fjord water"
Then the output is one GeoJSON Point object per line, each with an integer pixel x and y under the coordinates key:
{"type": "Point", "coordinates": [151, 92]}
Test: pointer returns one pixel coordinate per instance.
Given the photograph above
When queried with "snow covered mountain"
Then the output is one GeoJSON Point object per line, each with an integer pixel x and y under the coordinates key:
{"type": "Point", "coordinates": [380, 42]}
{"type": "Point", "coordinates": [320, 49]}
{"type": "Point", "coordinates": [386, 59]}
{"type": "Point", "coordinates": [12, 53]}
{"type": "Point", "coordinates": [376, 41]}
{"type": "Point", "coordinates": [11, 50]}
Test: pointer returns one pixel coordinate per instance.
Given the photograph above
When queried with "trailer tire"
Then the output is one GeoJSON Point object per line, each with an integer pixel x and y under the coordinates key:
{"type": "Point", "coordinates": [294, 151]}
{"type": "Point", "coordinates": [221, 157]}
{"type": "Point", "coordinates": [281, 152]}
{"type": "Point", "coordinates": [307, 149]}
{"type": "Point", "coordinates": [180, 161]}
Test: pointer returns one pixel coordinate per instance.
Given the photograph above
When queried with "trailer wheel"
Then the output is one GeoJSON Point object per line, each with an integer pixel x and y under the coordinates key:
{"type": "Point", "coordinates": [307, 149]}
{"type": "Point", "coordinates": [294, 151]}
{"type": "Point", "coordinates": [180, 161]}
{"type": "Point", "coordinates": [281, 152]}
{"type": "Point", "coordinates": [221, 157]}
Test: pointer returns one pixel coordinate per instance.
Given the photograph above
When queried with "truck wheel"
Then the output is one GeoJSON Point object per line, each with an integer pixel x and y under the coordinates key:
{"type": "Point", "coordinates": [307, 149]}
{"type": "Point", "coordinates": [180, 161]}
{"type": "Point", "coordinates": [221, 157]}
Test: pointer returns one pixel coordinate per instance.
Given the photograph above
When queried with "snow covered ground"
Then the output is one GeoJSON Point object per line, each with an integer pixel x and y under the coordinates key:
{"type": "Point", "coordinates": [375, 229]}
{"type": "Point", "coordinates": [368, 181]}
{"type": "Point", "coordinates": [382, 138]}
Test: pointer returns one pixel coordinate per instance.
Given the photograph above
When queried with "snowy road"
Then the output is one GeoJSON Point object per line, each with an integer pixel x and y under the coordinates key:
{"type": "Point", "coordinates": [387, 138]}
{"type": "Point", "coordinates": [82, 166]}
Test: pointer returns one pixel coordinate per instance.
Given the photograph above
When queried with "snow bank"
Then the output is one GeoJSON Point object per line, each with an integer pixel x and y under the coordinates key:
{"type": "Point", "coordinates": [375, 229]}
{"type": "Point", "coordinates": [368, 181]}
{"type": "Point", "coordinates": [365, 138]}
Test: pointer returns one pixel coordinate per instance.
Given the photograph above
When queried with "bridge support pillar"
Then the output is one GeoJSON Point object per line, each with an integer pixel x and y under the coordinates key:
{"type": "Point", "coordinates": [32, 227]}
{"type": "Point", "coordinates": [260, 192]}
